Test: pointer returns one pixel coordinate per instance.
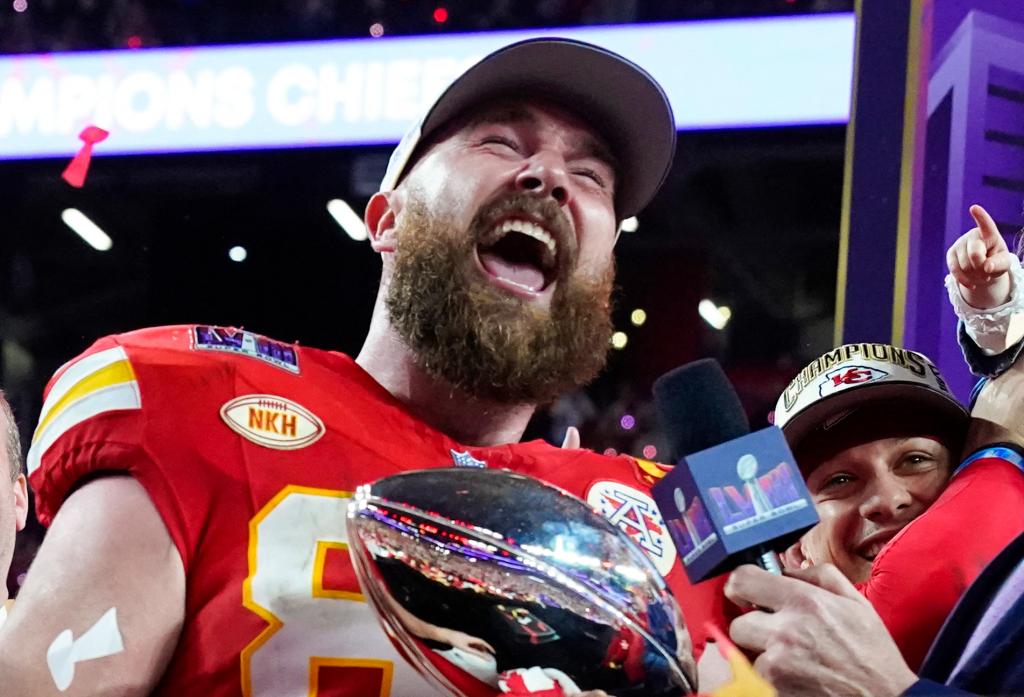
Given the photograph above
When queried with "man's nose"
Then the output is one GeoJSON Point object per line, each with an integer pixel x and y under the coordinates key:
{"type": "Point", "coordinates": [888, 498]}
{"type": "Point", "coordinates": [545, 175]}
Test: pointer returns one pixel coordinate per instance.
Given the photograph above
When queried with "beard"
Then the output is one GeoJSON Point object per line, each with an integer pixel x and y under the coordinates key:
{"type": "Point", "coordinates": [483, 340]}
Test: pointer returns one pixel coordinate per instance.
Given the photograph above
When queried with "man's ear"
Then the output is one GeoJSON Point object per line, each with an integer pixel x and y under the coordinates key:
{"type": "Point", "coordinates": [380, 216]}
{"type": "Point", "coordinates": [20, 501]}
{"type": "Point", "coordinates": [793, 557]}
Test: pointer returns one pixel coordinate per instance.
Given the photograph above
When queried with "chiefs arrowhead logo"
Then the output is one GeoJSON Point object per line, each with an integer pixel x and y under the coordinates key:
{"type": "Point", "coordinates": [849, 376]}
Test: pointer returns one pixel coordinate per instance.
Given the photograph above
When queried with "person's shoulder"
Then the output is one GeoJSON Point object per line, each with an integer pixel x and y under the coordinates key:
{"type": "Point", "coordinates": [130, 399]}
{"type": "Point", "coordinates": [582, 463]}
{"type": "Point", "coordinates": [198, 344]}
{"type": "Point", "coordinates": [157, 350]}
{"type": "Point", "coordinates": [100, 380]}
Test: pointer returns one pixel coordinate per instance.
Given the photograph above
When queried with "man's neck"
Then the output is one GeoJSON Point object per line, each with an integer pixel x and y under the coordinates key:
{"type": "Point", "coordinates": [458, 415]}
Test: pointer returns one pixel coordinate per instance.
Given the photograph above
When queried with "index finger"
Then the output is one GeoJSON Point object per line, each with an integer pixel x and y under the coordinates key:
{"type": "Point", "coordinates": [750, 585]}
{"type": "Point", "coordinates": [989, 231]}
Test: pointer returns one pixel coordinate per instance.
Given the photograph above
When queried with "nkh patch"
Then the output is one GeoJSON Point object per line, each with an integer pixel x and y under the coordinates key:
{"type": "Point", "coordinates": [272, 421]}
{"type": "Point", "coordinates": [849, 376]}
{"type": "Point", "coordinates": [230, 340]}
{"type": "Point", "coordinates": [636, 514]}
{"type": "Point", "coordinates": [466, 460]}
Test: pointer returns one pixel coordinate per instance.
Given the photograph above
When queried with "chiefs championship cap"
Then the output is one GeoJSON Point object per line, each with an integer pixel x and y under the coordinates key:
{"type": "Point", "coordinates": [619, 98]}
{"type": "Point", "coordinates": [834, 385]}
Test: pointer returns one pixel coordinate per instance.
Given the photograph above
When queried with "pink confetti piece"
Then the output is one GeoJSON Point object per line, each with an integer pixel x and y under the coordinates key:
{"type": "Point", "coordinates": [76, 171]}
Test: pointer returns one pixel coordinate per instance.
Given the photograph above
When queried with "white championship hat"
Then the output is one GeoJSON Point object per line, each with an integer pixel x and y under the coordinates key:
{"type": "Point", "coordinates": [835, 384]}
{"type": "Point", "coordinates": [619, 98]}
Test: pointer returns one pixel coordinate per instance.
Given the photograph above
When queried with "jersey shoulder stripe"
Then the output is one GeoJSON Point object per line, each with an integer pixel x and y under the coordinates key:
{"type": "Point", "coordinates": [94, 384]}
{"type": "Point", "coordinates": [654, 470]}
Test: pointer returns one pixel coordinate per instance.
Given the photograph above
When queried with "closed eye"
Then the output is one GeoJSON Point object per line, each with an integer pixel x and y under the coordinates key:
{"type": "Point", "coordinates": [500, 140]}
{"type": "Point", "coordinates": [591, 174]}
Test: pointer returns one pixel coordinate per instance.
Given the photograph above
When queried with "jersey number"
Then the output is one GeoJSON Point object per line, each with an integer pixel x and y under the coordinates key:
{"type": "Point", "coordinates": [320, 641]}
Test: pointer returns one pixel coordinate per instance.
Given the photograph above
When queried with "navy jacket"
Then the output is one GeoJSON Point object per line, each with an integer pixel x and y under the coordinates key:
{"type": "Point", "coordinates": [997, 667]}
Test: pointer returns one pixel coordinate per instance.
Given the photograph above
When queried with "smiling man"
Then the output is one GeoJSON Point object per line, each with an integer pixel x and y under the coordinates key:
{"type": "Point", "coordinates": [878, 437]}
{"type": "Point", "coordinates": [876, 433]}
{"type": "Point", "coordinates": [196, 479]}
{"type": "Point", "coordinates": [815, 633]}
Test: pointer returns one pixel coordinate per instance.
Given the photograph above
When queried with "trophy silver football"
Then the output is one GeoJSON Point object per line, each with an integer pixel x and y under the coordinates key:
{"type": "Point", "coordinates": [475, 572]}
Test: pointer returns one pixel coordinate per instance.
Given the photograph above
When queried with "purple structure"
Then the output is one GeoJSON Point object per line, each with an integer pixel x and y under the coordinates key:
{"type": "Point", "coordinates": [973, 153]}
{"type": "Point", "coordinates": [937, 124]}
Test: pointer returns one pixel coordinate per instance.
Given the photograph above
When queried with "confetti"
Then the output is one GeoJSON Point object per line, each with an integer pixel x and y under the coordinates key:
{"type": "Point", "coordinates": [745, 682]}
{"type": "Point", "coordinates": [76, 171]}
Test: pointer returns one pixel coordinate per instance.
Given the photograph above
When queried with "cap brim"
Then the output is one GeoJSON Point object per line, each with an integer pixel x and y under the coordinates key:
{"type": "Point", "coordinates": [815, 416]}
{"type": "Point", "coordinates": [625, 104]}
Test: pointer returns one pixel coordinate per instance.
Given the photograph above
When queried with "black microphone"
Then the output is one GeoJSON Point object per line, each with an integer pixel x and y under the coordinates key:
{"type": "Point", "coordinates": [698, 408]}
{"type": "Point", "coordinates": [734, 497]}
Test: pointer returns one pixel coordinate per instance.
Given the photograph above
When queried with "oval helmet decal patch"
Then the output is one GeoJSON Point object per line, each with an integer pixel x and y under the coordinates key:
{"type": "Point", "coordinates": [272, 421]}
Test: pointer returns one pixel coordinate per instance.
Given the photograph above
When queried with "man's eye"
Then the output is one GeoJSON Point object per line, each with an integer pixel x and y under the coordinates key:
{"type": "Point", "coordinates": [836, 481]}
{"type": "Point", "coordinates": [500, 140]}
{"type": "Point", "coordinates": [918, 459]}
{"type": "Point", "coordinates": [591, 174]}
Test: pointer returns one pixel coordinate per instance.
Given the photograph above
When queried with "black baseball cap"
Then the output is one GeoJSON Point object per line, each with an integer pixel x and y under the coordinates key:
{"type": "Point", "coordinates": [622, 101]}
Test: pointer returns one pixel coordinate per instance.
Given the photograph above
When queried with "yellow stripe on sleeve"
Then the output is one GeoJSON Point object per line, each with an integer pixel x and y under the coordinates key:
{"type": "Point", "coordinates": [112, 374]}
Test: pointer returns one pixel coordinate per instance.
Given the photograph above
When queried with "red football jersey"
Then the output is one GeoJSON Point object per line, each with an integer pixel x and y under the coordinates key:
{"type": "Point", "coordinates": [918, 577]}
{"type": "Point", "coordinates": [249, 449]}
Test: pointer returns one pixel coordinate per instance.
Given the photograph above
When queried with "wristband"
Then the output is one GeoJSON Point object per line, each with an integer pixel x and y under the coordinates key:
{"type": "Point", "coordinates": [1004, 451]}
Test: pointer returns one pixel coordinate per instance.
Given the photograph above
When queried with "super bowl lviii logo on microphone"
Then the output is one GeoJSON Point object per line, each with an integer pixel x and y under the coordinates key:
{"type": "Point", "coordinates": [758, 499]}
{"type": "Point", "coordinates": [692, 531]}
{"type": "Point", "coordinates": [724, 501]}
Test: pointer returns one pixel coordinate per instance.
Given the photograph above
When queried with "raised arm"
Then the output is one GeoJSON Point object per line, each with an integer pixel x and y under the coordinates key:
{"type": "Point", "coordinates": [106, 549]}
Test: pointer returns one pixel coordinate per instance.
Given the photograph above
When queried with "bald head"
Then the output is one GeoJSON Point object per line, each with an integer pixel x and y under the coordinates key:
{"type": "Point", "coordinates": [11, 439]}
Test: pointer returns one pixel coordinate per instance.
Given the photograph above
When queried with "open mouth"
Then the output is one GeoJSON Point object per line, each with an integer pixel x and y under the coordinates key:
{"type": "Point", "coordinates": [870, 547]}
{"type": "Point", "coordinates": [520, 254]}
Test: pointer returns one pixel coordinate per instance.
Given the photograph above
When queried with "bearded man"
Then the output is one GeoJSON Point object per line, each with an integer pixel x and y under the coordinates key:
{"type": "Point", "coordinates": [196, 479]}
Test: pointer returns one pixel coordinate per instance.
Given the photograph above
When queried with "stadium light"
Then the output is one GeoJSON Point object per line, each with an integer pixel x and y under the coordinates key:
{"type": "Point", "coordinates": [347, 218]}
{"type": "Point", "coordinates": [714, 315]}
{"type": "Point", "coordinates": [86, 229]}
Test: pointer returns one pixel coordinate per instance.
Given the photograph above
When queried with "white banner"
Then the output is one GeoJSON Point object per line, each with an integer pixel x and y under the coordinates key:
{"type": "Point", "coordinates": [718, 74]}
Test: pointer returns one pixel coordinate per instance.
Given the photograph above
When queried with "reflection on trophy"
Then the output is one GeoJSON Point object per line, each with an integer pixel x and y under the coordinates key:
{"type": "Point", "coordinates": [476, 573]}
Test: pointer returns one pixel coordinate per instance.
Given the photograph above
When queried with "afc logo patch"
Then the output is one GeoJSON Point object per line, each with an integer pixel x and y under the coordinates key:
{"type": "Point", "coordinates": [848, 376]}
{"type": "Point", "coordinates": [636, 514]}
